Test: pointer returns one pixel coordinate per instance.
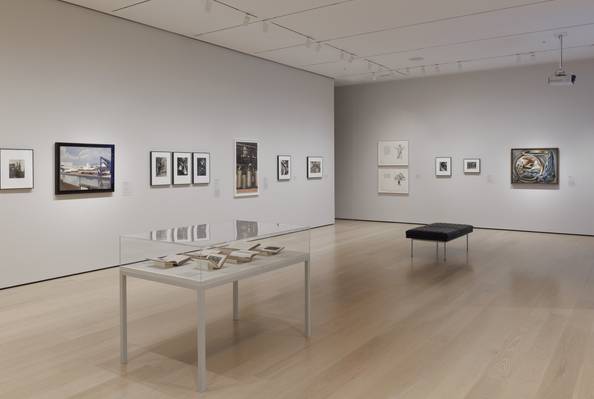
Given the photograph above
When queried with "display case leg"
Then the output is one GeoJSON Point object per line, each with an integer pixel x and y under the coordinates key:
{"type": "Point", "coordinates": [123, 319]}
{"type": "Point", "coordinates": [236, 300]}
{"type": "Point", "coordinates": [307, 300]}
{"type": "Point", "coordinates": [201, 341]}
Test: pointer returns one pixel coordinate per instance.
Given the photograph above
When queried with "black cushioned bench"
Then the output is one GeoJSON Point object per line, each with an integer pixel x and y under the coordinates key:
{"type": "Point", "coordinates": [439, 232]}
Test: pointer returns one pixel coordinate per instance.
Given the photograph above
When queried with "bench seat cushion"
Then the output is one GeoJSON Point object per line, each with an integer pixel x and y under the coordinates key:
{"type": "Point", "coordinates": [439, 232]}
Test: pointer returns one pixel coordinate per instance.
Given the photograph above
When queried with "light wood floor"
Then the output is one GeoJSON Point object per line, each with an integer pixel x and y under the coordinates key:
{"type": "Point", "coordinates": [515, 321]}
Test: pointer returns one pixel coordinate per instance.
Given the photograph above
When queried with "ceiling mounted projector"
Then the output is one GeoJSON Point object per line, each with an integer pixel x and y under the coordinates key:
{"type": "Point", "coordinates": [561, 77]}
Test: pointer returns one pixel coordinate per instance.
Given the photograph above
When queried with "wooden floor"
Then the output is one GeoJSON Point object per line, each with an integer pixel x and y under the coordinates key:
{"type": "Point", "coordinates": [515, 320]}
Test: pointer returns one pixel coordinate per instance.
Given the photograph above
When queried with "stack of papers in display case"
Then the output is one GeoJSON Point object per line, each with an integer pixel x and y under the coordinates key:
{"type": "Point", "coordinates": [170, 260]}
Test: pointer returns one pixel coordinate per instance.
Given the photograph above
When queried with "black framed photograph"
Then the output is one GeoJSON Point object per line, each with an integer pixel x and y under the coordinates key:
{"type": "Point", "coordinates": [315, 167]}
{"type": "Point", "coordinates": [182, 168]}
{"type": "Point", "coordinates": [160, 168]}
{"type": "Point", "coordinates": [16, 169]}
{"type": "Point", "coordinates": [443, 166]}
{"type": "Point", "coordinates": [472, 166]}
{"type": "Point", "coordinates": [246, 168]}
{"type": "Point", "coordinates": [201, 161]}
{"type": "Point", "coordinates": [84, 168]}
{"type": "Point", "coordinates": [283, 167]}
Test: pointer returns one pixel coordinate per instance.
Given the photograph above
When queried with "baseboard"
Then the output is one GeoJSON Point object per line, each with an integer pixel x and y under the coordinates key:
{"type": "Point", "coordinates": [476, 227]}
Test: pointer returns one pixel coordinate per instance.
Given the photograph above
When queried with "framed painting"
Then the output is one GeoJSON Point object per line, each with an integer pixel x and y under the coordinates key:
{"type": "Point", "coordinates": [535, 166]}
{"type": "Point", "coordinates": [182, 168]}
{"type": "Point", "coordinates": [443, 166]}
{"type": "Point", "coordinates": [393, 181]}
{"type": "Point", "coordinates": [283, 167]}
{"type": "Point", "coordinates": [201, 162]}
{"type": "Point", "coordinates": [246, 168]}
{"type": "Point", "coordinates": [315, 167]}
{"type": "Point", "coordinates": [84, 168]}
{"type": "Point", "coordinates": [392, 153]}
{"type": "Point", "coordinates": [160, 168]}
{"type": "Point", "coordinates": [472, 166]}
{"type": "Point", "coordinates": [16, 169]}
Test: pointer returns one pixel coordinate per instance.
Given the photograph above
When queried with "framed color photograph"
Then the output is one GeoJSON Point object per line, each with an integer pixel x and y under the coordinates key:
{"type": "Point", "coordinates": [472, 166]}
{"type": "Point", "coordinates": [182, 168]}
{"type": "Point", "coordinates": [535, 166]}
{"type": "Point", "coordinates": [283, 167]}
{"type": "Point", "coordinates": [443, 166]}
{"type": "Point", "coordinates": [392, 153]}
{"type": "Point", "coordinates": [16, 169]}
{"type": "Point", "coordinates": [84, 168]}
{"type": "Point", "coordinates": [315, 167]}
{"type": "Point", "coordinates": [392, 181]}
{"type": "Point", "coordinates": [160, 168]}
{"type": "Point", "coordinates": [201, 161]}
{"type": "Point", "coordinates": [246, 168]}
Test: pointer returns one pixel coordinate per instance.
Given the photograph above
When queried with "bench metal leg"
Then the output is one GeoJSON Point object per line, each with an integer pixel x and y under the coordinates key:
{"type": "Point", "coordinates": [466, 243]}
{"type": "Point", "coordinates": [445, 245]}
{"type": "Point", "coordinates": [236, 300]}
{"type": "Point", "coordinates": [437, 250]}
{"type": "Point", "coordinates": [411, 248]}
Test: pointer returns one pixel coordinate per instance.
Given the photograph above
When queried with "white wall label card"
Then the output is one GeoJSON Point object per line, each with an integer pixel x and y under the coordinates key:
{"type": "Point", "coordinates": [392, 153]}
{"type": "Point", "coordinates": [392, 181]}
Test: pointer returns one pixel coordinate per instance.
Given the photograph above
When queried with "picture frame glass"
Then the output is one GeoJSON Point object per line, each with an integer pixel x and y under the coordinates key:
{"type": "Point", "coordinates": [392, 153]}
{"type": "Point", "coordinates": [283, 167]}
{"type": "Point", "coordinates": [182, 168]}
{"type": "Point", "coordinates": [160, 168]}
{"type": "Point", "coordinates": [201, 162]}
{"type": "Point", "coordinates": [84, 168]}
{"type": "Point", "coordinates": [443, 166]}
{"type": "Point", "coordinates": [246, 168]}
{"type": "Point", "coordinates": [472, 166]}
{"type": "Point", "coordinates": [315, 167]}
{"type": "Point", "coordinates": [536, 166]}
{"type": "Point", "coordinates": [16, 169]}
{"type": "Point", "coordinates": [393, 181]}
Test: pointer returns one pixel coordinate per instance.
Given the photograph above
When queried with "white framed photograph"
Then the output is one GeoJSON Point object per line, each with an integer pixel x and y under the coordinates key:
{"type": "Point", "coordinates": [162, 235]}
{"type": "Point", "coordinates": [315, 167]}
{"type": "Point", "coordinates": [201, 162]}
{"type": "Point", "coordinates": [160, 168]}
{"type": "Point", "coordinates": [392, 180]}
{"type": "Point", "coordinates": [392, 153]}
{"type": "Point", "coordinates": [472, 166]}
{"type": "Point", "coordinates": [201, 232]}
{"type": "Point", "coordinates": [182, 234]}
{"type": "Point", "coordinates": [16, 169]}
{"type": "Point", "coordinates": [246, 168]}
{"type": "Point", "coordinates": [443, 166]}
{"type": "Point", "coordinates": [283, 167]}
{"type": "Point", "coordinates": [182, 168]}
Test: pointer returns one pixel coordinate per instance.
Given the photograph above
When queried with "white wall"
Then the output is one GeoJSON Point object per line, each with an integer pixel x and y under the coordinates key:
{"type": "Point", "coordinates": [483, 115]}
{"type": "Point", "coordinates": [70, 74]}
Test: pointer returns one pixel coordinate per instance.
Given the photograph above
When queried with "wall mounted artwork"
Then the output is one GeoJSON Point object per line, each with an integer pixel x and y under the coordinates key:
{"type": "Point", "coordinates": [283, 167]}
{"type": "Point", "coordinates": [160, 168]}
{"type": "Point", "coordinates": [393, 181]}
{"type": "Point", "coordinates": [315, 167]}
{"type": "Point", "coordinates": [201, 232]}
{"type": "Point", "coordinates": [443, 166]}
{"type": "Point", "coordinates": [392, 153]}
{"type": "Point", "coordinates": [535, 166]}
{"type": "Point", "coordinates": [182, 168]}
{"type": "Point", "coordinates": [201, 168]}
{"type": "Point", "coordinates": [16, 169]}
{"type": "Point", "coordinates": [84, 168]}
{"type": "Point", "coordinates": [246, 168]}
{"type": "Point", "coordinates": [472, 166]}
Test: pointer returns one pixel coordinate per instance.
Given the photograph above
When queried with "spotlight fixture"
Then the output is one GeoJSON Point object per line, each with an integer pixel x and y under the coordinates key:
{"type": "Point", "coordinates": [207, 5]}
{"type": "Point", "coordinates": [561, 77]}
{"type": "Point", "coordinates": [351, 59]}
{"type": "Point", "coordinates": [518, 59]}
{"type": "Point", "coordinates": [373, 76]}
{"type": "Point", "coordinates": [246, 20]}
{"type": "Point", "coordinates": [265, 26]}
{"type": "Point", "coordinates": [369, 65]}
{"type": "Point", "coordinates": [342, 55]}
{"type": "Point", "coordinates": [308, 42]}
{"type": "Point", "coordinates": [318, 47]}
{"type": "Point", "coordinates": [533, 56]}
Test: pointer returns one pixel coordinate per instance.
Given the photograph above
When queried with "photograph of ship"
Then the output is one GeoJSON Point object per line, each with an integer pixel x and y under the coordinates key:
{"type": "Point", "coordinates": [84, 168]}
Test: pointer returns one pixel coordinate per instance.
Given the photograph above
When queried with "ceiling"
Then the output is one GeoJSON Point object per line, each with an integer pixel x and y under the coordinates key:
{"type": "Point", "coordinates": [358, 41]}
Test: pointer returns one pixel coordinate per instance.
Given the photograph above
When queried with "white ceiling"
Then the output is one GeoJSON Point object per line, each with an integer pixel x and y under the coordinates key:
{"type": "Point", "coordinates": [357, 41]}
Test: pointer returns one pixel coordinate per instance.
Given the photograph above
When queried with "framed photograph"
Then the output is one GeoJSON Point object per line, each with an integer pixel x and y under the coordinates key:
{"type": "Point", "coordinates": [201, 162]}
{"type": "Point", "coordinates": [443, 166]}
{"type": "Point", "coordinates": [472, 166]}
{"type": "Point", "coordinates": [160, 168]}
{"type": "Point", "coordinates": [283, 167]}
{"type": "Point", "coordinates": [162, 235]}
{"type": "Point", "coordinates": [392, 153]}
{"type": "Point", "coordinates": [182, 234]}
{"type": "Point", "coordinates": [246, 168]}
{"type": "Point", "coordinates": [201, 232]}
{"type": "Point", "coordinates": [315, 167]}
{"type": "Point", "coordinates": [16, 169]}
{"type": "Point", "coordinates": [84, 168]}
{"type": "Point", "coordinates": [182, 168]}
{"type": "Point", "coordinates": [535, 166]}
{"type": "Point", "coordinates": [392, 181]}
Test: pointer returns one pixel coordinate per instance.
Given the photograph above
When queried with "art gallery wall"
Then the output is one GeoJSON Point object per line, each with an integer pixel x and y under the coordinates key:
{"type": "Point", "coordinates": [73, 75]}
{"type": "Point", "coordinates": [478, 114]}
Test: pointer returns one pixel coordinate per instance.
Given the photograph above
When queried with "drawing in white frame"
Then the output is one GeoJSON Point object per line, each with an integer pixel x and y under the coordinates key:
{"type": "Point", "coordinates": [246, 180]}
{"type": "Point", "coordinates": [16, 169]}
{"type": "Point", "coordinates": [201, 162]}
{"type": "Point", "coordinates": [472, 166]}
{"type": "Point", "coordinates": [392, 153]}
{"type": "Point", "coordinates": [393, 181]}
{"type": "Point", "coordinates": [443, 166]}
{"type": "Point", "coordinates": [315, 167]}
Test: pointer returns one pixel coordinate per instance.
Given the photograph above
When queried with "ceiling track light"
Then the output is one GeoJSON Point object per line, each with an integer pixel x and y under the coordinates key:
{"type": "Point", "coordinates": [518, 59]}
{"type": "Point", "coordinates": [265, 26]}
{"type": "Point", "coordinates": [308, 42]}
{"type": "Point", "coordinates": [351, 59]}
{"type": "Point", "coordinates": [373, 76]}
{"type": "Point", "coordinates": [207, 5]}
{"type": "Point", "coordinates": [246, 20]}
{"type": "Point", "coordinates": [533, 56]}
{"type": "Point", "coordinates": [369, 66]}
{"type": "Point", "coordinates": [342, 55]}
{"type": "Point", "coordinates": [318, 47]}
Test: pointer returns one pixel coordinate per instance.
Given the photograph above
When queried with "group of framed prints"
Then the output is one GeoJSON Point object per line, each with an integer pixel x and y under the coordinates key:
{"type": "Point", "coordinates": [16, 169]}
{"type": "Point", "coordinates": [179, 168]}
{"type": "Point", "coordinates": [392, 167]}
{"type": "Point", "coordinates": [443, 166]}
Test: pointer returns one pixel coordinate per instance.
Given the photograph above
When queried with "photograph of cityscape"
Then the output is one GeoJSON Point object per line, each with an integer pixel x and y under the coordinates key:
{"type": "Point", "coordinates": [84, 168]}
{"type": "Point", "coordinates": [16, 169]}
{"type": "Point", "coordinates": [246, 168]}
